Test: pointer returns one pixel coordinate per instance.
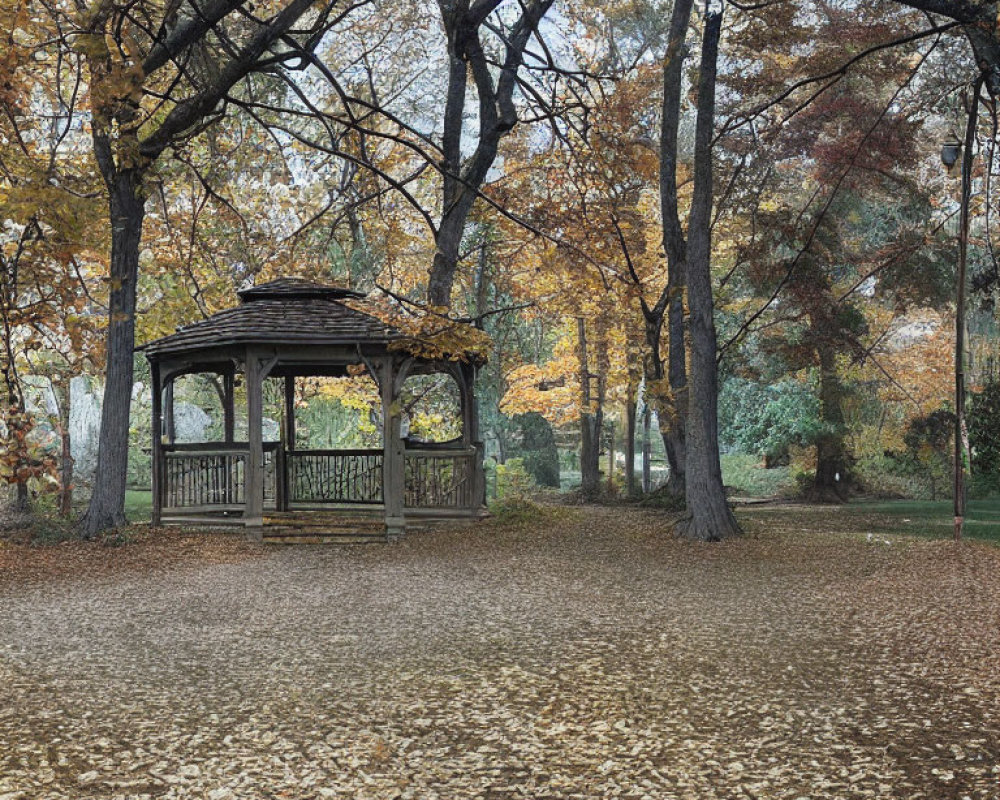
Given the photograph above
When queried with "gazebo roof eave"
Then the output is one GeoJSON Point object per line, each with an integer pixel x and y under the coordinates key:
{"type": "Point", "coordinates": [159, 349]}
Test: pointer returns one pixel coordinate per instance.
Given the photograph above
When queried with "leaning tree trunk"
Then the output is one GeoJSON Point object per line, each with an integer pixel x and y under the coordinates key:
{"type": "Point", "coordinates": [673, 419]}
{"type": "Point", "coordinates": [832, 468]}
{"type": "Point", "coordinates": [709, 516]}
{"type": "Point", "coordinates": [107, 500]}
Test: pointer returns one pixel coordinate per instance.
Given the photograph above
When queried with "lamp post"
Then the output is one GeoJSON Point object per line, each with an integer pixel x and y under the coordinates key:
{"type": "Point", "coordinates": [950, 152]}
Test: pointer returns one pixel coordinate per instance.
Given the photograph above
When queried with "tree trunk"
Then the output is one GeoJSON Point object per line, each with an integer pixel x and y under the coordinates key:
{"type": "Point", "coordinates": [709, 516]}
{"type": "Point", "coordinates": [630, 414]}
{"type": "Point", "coordinates": [673, 416]}
{"type": "Point", "coordinates": [647, 451]}
{"type": "Point", "coordinates": [14, 399]}
{"type": "Point", "coordinates": [675, 433]}
{"type": "Point", "coordinates": [590, 454]}
{"type": "Point", "coordinates": [611, 458]}
{"type": "Point", "coordinates": [832, 475]}
{"type": "Point", "coordinates": [107, 501]}
{"type": "Point", "coordinates": [590, 421]}
{"type": "Point", "coordinates": [21, 501]}
{"type": "Point", "coordinates": [448, 244]}
{"type": "Point", "coordinates": [495, 84]}
{"type": "Point", "coordinates": [62, 392]}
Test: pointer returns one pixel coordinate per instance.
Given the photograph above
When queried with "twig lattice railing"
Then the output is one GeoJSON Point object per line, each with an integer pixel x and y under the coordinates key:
{"type": "Point", "coordinates": [440, 479]}
{"type": "Point", "coordinates": [212, 475]}
{"type": "Point", "coordinates": [334, 476]}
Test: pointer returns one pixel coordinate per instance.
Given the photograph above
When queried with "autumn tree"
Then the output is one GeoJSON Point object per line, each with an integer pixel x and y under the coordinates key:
{"type": "Point", "coordinates": [156, 77]}
{"type": "Point", "coordinates": [48, 245]}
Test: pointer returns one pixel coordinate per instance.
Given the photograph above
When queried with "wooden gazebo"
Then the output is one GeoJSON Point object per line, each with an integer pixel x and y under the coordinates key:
{"type": "Point", "coordinates": [291, 328]}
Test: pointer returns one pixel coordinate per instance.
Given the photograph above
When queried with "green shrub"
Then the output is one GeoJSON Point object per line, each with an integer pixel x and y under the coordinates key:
{"type": "Point", "coordinates": [513, 481]}
{"type": "Point", "coordinates": [47, 528]}
{"type": "Point", "coordinates": [984, 432]}
{"type": "Point", "coordinates": [514, 491]}
{"type": "Point", "coordinates": [883, 476]}
{"type": "Point", "coordinates": [537, 449]}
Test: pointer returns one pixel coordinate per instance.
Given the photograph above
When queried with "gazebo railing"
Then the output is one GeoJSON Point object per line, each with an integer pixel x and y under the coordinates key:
{"type": "Point", "coordinates": [437, 478]}
{"type": "Point", "coordinates": [334, 476]}
{"type": "Point", "coordinates": [212, 475]}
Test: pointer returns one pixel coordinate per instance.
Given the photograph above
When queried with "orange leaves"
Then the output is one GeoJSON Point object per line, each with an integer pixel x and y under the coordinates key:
{"type": "Point", "coordinates": [550, 389]}
{"type": "Point", "coordinates": [21, 457]}
{"type": "Point", "coordinates": [429, 333]}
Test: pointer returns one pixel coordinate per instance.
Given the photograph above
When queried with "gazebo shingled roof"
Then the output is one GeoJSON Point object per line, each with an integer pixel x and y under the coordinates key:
{"type": "Point", "coordinates": [284, 310]}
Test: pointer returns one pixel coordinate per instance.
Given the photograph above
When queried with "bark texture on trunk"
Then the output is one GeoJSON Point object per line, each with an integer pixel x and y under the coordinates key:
{"type": "Point", "coordinates": [107, 500]}
{"type": "Point", "coordinates": [62, 393]}
{"type": "Point", "coordinates": [630, 418]}
{"type": "Point", "coordinates": [832, 484]}
{"type": "Point", "coordinates": [647, 450]}
{"type": "Point", "coordinates": [673, 417]}
{"type": "Point", "coordinates": [14, 399]}
{"type": "Point", "coordinates": [590, 421]}
{"type": "Point", "coordinates": [590, 453]}
{"type": "Point", "coordinates": [22, 504]}
{"type": "Point", "coordinates": [709, 516]}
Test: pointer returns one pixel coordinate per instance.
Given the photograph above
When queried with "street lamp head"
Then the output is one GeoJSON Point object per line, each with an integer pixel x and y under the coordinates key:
{"type": "Point", "coordinates": [950, 151]}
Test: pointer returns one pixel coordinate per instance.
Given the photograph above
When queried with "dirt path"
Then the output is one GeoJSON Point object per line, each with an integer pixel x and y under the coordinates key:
{"type": "Point", "coordinates": [580, 655]}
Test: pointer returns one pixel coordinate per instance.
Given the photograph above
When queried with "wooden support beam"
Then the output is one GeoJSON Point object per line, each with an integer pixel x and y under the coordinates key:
{"type": "Point", "coordinates": [157, 434]}
{"type": "Point", "coordinates": [287, 445]}
{"type": "Point", "coordinates": [229, 404]}
{"type": "Point", "coordinates": [466, 374]}
{"type": "Point", "coordinates": [253, 515]}
{"type": "Point", "coordinates": [290, 411]}
{"type": "Point", "coordinates": [169, 412]}
{"type": "Point", "coordinates": [392, 454]}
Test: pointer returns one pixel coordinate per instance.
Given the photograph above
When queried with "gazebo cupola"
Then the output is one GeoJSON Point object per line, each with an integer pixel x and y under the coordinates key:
{"type": "Point", "coordinates": [293, 328]}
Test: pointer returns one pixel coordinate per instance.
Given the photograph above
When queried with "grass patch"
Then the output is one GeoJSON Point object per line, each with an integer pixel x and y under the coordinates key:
{"type": "Point", "coordinates": [138, 505]}
{"type": "Point", "coordinates": [934, 518]}
{"type": "Point", "coordinates": [747, 478]}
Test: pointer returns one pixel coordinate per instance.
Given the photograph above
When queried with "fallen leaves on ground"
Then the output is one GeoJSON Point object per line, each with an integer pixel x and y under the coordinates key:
{"type": "Point", "coordinates": [582, 654]}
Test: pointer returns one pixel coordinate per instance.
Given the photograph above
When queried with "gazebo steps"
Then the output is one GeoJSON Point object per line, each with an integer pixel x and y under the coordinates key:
{"type": "Point", "coordinates": [298, 537]}
{"type": "Point", "coordinates": [201, 521]}
{"type": "Point", "coordinates": [303, 529]}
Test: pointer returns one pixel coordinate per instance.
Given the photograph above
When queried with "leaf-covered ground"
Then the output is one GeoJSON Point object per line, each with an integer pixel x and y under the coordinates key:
{"type": "Point", "coordinates": [584, 654]}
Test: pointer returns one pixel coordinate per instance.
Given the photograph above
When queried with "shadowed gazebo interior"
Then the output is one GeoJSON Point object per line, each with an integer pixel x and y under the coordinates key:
{"type": "Point", "coordinates": [287, 329]}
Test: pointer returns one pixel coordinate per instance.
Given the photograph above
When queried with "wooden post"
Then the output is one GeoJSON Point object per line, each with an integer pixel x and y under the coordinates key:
{"type": "Point", "coordinates": [290, 410]}
{"type": "Point", "coordinates": [253, 513]}
{"type": "Point", "coordinates": [470, 432]}
{"type": "Point", "coordinates": [287, 445]}
{"type": "Point", "coordinates": [229, 404]}
{"type": "Point", "coordinates": [393, 467]}
{"type": "Point", "coordinates": [169, 403]}
{"type": "Point", "coordinates": [157, 436]}
{"type": "Point", "coordinates": [465, 377]}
